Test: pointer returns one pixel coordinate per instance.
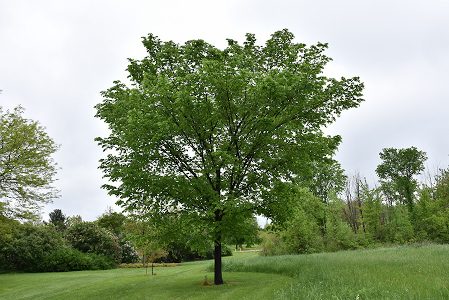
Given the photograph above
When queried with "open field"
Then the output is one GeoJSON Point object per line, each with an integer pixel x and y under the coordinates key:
{"type": "Point", "coordinates": [386, 273]}
{"type": "Point", "coordinates": [407, 272]}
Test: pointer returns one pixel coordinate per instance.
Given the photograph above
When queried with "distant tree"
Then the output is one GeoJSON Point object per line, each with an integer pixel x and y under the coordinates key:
{"type": "Point", "coordinates": [373, 213]}
{"type": "Point", "coordinates": [353, 213]}
{"type": "Point", "coordinates": [432, 209]}
{"type": "Point", "coordinates": [326, 177]}
{"type": "Point", "coordinates": [26, 167]}
{"type": "Point", "coordinates": [57, 218]}
{"type": "Point", "coordinates": [207, 134]}
{"type": "Point", "coordinates": [397, 171]}
{"type": "Point", "coordinates": [246, 232]}
{"type": "Point", "coordinates": [72, 220]}
{"type": "Point", "coordinates": [113, 221]}
{"type": "Point", "coordinates": [442, 186]}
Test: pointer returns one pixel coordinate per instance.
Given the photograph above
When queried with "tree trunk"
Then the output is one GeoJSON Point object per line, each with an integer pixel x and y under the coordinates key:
{"type": "Point", "coordinates": [218, 276]}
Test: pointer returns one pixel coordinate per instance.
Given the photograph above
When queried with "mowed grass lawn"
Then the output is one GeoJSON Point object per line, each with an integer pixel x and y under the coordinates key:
{"type": "Point", "coordinates": [410, 272]}
{"type": "Point", "coordinates": [181, 282]}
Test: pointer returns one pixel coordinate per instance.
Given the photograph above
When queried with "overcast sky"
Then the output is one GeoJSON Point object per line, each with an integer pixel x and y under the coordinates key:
{"type": "Point", "coordinates": [56, 57]}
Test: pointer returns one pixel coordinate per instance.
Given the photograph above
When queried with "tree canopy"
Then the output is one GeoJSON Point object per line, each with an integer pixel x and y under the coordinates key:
{"type": "Point", "coordinates": [397, 171]}
{"type": "Point", "coordinates": [27, 169]}
{"type": "Point", "coordinates": [206, 134]}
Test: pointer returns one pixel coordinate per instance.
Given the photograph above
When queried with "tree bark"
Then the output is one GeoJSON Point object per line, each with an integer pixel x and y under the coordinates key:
{"type": "Point", "coordinates": [218, 276]}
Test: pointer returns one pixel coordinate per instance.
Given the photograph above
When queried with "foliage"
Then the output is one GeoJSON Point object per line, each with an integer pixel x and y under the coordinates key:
{"type": "Point", "coordinates": [338, 234]}
{"type": "Point", "coordinates": [206, 134]}
{"type": "Point", "coordinates": [315, 227]}
{"type": "Point", "coordinates": [72, 220]}
{"type": "Point", "coordinates": [432, 210]}
{"type": "Point", "coordinates": [303, 234]}
{"type": "Point", "coordinates": [400, 229]}
{"type": "Point", "coordinates": [70, 259]}
{"type": "Point", "coordinates": [8, 228]}
{"type": "Point", "coordinates": [29, 245]}
{"type": "Point", "coordinates": [373, 212]}
{"type": "Point", "coordinates": [115, 222]}
{"type": "Point", "coordinates": [26, 167]}
{"type": "Point", "coordinates": [365, 218]}
{"type": "Point", "coordinates": [327, 178]}
{"type": "Point", "coordinates": [129, 253]}
{"type": "Point", "coordinates": [42, 248]}
{"type": "Point", "coordinates": [142, 235]}
{"type": "Point", "coordinates": [396, 173]}
{"type": "Point", "coordinates": [112, 221]}
{"type": "Point", "coordinates": [273, 244]}
{"type": "Point", "coordinates": [246, 232]}
{"type": "Point", "coordinates": [57, 218]}
{"type": "Point", "coordinates": [88, 237]}
{"type": "Point", "coordinates": [442, 186]}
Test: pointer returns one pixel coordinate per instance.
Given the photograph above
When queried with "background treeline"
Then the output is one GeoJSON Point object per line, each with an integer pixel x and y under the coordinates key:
{"type": "Point", "coordinates": [69, 243]}
{"type": "Point", "coordinates": [328, 212]}
{"type": "Point", "coordinates": [362, 216]}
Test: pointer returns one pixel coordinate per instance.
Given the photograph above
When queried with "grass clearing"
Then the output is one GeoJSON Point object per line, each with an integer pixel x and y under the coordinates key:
{"type": "Point", "coordinates": [180, 282]}
{"type": "Point", "coordinates": [408, 272]}
{"type": "Point", "coordinates": [386, 273]}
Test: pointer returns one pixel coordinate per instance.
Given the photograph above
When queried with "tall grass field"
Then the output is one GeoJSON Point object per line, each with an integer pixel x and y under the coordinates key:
{"type": "Point", "coordinates": [408, 272]}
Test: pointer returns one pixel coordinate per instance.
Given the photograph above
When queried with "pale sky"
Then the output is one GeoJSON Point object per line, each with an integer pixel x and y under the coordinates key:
{"type": "Point", "coordinates": [56, 56]}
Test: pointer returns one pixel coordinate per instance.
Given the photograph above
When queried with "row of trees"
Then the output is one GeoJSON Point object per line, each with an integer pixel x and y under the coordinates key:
{"type": "Point", "coordinates": [399, 210]}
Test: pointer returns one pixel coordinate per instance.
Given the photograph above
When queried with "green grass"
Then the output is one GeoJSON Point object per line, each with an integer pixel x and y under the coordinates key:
{"type": "Point", "coordinates": [409, 272]}
{"type": "Point", "coordinates": [385, 273]}
{"type": "Point", "coordinates": [182, 282]}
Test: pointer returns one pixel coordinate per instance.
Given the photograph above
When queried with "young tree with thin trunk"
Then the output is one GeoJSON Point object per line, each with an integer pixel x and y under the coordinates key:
{"type": "Point", "coordinates": [205, 134]}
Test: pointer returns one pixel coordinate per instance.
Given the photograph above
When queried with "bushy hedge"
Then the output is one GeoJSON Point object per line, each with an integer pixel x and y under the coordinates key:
{"type": "Point", "coordinates": [43, 248]}
{"type": "Point", "coordinates": [29, 245]}
{"type": "Point", "coordinates": [70, 259]}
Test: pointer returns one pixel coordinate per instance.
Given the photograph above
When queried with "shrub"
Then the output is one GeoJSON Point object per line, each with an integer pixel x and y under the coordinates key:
{"type": "Point", "coordinates": [339, 235]}
{"type": "Point", "coordinates": [8, 227]}
{"type": "Point", "coordinates": [129, 253]}
{"type": "Point", "coordinates": [272, 244]}
{"type": "Point", "coordinates": [226, 251]}
{"type": "Point", "coordinates": [29, 245]}
{"type": "Point", "coordinates": [302, 235]}
{"type": "Point", "coordinates": [90, 238]}
{"type": "Point", "coordinates": [70, 259]}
